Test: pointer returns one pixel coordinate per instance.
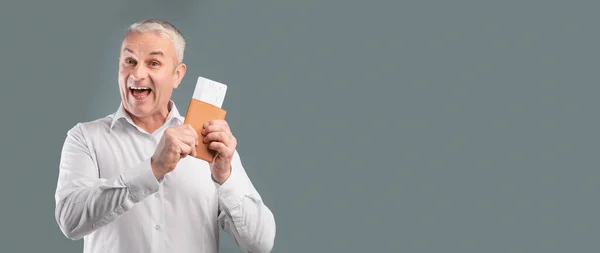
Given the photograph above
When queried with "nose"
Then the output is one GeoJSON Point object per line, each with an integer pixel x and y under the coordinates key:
{"type": "Point", "coordinates": [139, 72]}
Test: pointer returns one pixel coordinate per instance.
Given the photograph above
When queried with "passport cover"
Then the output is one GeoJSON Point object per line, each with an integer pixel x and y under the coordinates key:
{"type": "Point", "coordinates": [198, 113]}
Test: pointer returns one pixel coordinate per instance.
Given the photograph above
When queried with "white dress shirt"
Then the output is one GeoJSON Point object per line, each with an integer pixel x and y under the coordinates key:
{"type": "Point", "coordinates": [107, 194]}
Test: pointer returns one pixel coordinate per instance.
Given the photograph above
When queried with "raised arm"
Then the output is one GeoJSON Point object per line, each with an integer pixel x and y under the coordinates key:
{"type": "Point", "coordinates": [86, 202]}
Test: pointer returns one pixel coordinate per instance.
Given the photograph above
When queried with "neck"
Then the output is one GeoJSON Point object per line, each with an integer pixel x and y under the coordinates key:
{"type": "Point", "coordinates": [152, 122]}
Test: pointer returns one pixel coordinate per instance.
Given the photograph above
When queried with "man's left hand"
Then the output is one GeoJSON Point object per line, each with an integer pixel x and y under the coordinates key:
{"type": "Point", "coordinates": [221, 140]}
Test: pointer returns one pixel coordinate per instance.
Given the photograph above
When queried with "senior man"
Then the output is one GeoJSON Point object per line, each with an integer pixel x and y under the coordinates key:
{"type": "Point", "coordinates": [128, 182]}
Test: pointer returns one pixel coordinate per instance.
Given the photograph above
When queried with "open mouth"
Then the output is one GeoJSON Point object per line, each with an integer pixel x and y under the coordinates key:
{"type": "Point", "coordinates": [140, 92]}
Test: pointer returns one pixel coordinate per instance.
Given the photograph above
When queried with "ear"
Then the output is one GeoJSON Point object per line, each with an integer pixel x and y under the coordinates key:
{"type": "Point", "coordinates": [179, 74]}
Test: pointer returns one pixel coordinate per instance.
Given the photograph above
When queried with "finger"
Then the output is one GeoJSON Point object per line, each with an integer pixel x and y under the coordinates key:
{"type": "Point", "coordinates": [188, 141]}
{"type": "Point", "coordinates": [186, 149]}
{"type": "Point", "coordinates": [216, 122]}
{"type": "Point", "coordinates": [186, 129]}
{"type": "Point", "coordinates": [221, 149]}
{"type": "Point", "coordinates": [181, 149]}
{"type": "Point", "coordinates": [216, 128]}
{"type": "Point", "coordinates": [189, 130]}
{"type": "Point", "coordinates": [194, 153]}
{"type": "Point", "coordinates": [217, 137]}
{"type": "Point", "coordinates": [190, 137]}
{"type": "Point", "coordinates": [194, 135]}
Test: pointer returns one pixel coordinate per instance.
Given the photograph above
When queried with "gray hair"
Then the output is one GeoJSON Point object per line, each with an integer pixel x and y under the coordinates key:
{"type": "Point", "coordinates": [163, 28]}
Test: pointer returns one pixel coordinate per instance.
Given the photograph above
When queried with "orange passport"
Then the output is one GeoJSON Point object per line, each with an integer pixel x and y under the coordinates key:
{"type": "Point", "coordinates": [198, 113]}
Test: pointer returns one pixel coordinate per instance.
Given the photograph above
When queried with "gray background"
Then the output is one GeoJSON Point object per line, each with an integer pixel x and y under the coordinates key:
{"type": "Point", "coordinates": [367, 126]}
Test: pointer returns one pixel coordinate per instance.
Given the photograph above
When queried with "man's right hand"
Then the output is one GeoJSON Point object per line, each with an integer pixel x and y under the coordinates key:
{"type": "Point", "coordinates": [177, 142]}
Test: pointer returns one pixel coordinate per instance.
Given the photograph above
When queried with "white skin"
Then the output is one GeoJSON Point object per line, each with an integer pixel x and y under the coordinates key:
{"type": "Point", "coordinates": [148, 60]}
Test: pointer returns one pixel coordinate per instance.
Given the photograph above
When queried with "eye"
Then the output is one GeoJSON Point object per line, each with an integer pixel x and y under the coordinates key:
{"type": "Point", "coordinates": [155, 63]}
{"type": "Point", "coordinates": [130, 61]}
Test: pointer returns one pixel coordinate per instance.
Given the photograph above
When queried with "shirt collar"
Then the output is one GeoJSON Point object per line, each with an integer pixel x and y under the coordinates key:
{"type": "Point", "coordinates": [121, 113]}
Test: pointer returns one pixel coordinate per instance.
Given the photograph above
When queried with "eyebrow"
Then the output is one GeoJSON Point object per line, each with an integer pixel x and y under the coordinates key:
{"type": "Point", "coordinates": [159, 53]}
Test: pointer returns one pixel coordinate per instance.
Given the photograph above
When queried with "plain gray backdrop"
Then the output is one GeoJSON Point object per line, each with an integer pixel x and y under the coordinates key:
{"type": "Point", "coordinates": [367, 126]}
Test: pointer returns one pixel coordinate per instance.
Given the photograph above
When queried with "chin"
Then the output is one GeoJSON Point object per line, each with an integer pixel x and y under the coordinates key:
{"type": "Point", "coordinates": [140, 109]}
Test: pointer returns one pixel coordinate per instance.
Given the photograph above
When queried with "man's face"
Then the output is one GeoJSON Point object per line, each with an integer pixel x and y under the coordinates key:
{"type": "Point", "coordinates": [148, 73]}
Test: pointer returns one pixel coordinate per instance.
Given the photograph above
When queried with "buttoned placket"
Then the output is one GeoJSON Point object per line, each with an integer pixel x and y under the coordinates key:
{"type": "Point", "coordinates": [156, 203]}
{"type": "Point", "coordinates": [158, 225]}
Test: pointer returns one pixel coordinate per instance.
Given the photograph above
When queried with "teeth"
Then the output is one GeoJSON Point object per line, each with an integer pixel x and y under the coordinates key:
{"type": "Point", "coordinates": [139, 88]}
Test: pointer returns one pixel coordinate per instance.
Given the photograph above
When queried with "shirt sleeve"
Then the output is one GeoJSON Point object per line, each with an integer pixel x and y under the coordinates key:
{"type": "Point", "coordinates": [86, 202]}
{"type": "Point", "coordinates": [242, 213]}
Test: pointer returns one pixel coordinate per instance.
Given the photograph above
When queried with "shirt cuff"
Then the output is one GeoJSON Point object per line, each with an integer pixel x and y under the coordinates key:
{"type": "Point", "coordinates": [234, 188]}
{"type": "Point", "coordinates": [140, 181]}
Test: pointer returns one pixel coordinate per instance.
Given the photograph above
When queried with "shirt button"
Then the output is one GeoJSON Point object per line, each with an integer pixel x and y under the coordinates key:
{"type": "Point", "coordinates": [156, 195]}
{"type": "Point", "coordinates": [157, 227]}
